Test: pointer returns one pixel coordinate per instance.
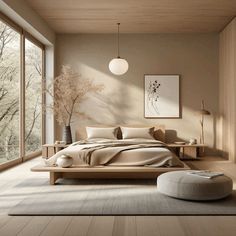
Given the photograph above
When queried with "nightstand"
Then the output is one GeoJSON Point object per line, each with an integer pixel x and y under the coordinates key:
{"type": "Point", "coordinates": [49, 150]}
{"type": "Point", "coordinates": [187, 151]}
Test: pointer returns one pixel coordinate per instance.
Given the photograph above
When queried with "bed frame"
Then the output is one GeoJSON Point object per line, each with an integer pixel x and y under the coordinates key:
{"type": "Point", "coordinates": [104, 172]}
{"type": "Point", "coordinates": [109, 172]}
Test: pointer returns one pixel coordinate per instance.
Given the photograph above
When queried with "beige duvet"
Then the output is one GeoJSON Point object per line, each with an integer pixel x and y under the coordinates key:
{"type": "Point", "coordinates": [135, 152]}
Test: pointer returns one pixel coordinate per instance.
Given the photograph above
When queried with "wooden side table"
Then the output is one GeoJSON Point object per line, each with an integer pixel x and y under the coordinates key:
{"type": "Point", "coordinates": [49, 150]}
{"type": "Point", "coordinates": [187, 151]}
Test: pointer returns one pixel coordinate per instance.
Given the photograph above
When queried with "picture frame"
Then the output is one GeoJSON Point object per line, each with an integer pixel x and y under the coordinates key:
{"type": "Point", "coordinates": [162, 96]}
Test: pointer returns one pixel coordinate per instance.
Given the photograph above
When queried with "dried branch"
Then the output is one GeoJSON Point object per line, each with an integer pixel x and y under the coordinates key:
{"type": "Point", "coordinates": [68, 90]}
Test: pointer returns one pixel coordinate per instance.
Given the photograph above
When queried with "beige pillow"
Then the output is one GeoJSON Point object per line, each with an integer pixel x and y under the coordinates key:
{"type": "Point", "coordinates": [102, 132]}
{"type": "Point", "coordinates": [146, 133]}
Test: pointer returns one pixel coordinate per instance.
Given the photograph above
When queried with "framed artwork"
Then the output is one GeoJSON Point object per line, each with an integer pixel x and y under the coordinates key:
{"type": "Point", "coordinates": [162, 96]}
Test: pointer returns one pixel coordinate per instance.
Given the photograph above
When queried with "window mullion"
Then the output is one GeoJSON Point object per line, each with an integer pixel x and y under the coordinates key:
{"type": "Point", "coordinates": [22, 99]}
{"type": "Point", "coordinates": [43, 118]}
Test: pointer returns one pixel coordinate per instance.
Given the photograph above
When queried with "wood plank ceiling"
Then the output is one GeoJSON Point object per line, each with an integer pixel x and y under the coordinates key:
{"type": "Point", "coordinates": [136, 16]}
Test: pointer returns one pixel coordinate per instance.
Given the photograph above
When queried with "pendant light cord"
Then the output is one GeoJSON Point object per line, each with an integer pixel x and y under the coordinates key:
{"type": "Point", "coordinates": [118, 40]}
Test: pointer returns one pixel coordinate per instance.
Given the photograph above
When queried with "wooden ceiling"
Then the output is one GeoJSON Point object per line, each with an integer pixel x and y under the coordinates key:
{"type": "Point", "coordinates": [135, 16]}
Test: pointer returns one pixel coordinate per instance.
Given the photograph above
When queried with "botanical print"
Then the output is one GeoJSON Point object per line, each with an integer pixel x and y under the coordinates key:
{"type": "Point", "coordinates": [152, 102]}
{"type": "Point", "coordinates": [161, 96]}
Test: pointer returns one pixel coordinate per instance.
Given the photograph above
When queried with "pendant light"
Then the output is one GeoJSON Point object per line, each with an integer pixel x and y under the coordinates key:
{"type": "Point", "coordinates": [118, 66]}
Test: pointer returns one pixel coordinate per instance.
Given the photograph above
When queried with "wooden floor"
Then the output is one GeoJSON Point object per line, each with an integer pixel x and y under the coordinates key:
{"type": "Point", "coordinates": [18, 183]}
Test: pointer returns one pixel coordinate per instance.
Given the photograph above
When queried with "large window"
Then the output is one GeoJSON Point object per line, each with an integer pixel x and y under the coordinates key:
{"type": "Point", "coordinates": [33, 97]}
{"type": "Point", "coordinates": [21, 77]}
{"type": "Point", "coordinates": [9, 93]}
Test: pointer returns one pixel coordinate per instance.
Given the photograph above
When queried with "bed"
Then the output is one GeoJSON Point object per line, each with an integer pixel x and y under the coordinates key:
{"type": "Point", "coordinates": [135, 156]}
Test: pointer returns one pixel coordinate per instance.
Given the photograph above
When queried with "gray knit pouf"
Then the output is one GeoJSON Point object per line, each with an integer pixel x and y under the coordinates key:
{"type": "Point", "coordinates": [181, 184]}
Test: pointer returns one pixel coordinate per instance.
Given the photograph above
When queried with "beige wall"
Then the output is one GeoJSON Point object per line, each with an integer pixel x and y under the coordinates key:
{"type": "Point", "coordinates": [193, 56]}
{"type": "Point", "coordinates": [227, 95]}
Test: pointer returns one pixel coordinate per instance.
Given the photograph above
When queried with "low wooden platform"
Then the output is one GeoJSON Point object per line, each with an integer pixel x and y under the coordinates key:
{"type": "Point", "coordinates": [104, 172]}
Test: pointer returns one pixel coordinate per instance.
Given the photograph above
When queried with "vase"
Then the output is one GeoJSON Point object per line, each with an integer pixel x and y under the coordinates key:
{"type": "Point", "coordinates": [64, 161]}
{"type": "Point", "coordinates": [67, 137]}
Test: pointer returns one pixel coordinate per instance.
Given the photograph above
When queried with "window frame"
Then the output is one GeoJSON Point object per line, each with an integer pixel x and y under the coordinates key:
{"type": "Point", "coordinates": [23, 36]}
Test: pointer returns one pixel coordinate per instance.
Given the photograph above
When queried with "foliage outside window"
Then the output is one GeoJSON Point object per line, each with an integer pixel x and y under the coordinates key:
{"type": "Point", "coordinates": [10, 86]}
{"type": "Point", "coordinates": [9, 93]}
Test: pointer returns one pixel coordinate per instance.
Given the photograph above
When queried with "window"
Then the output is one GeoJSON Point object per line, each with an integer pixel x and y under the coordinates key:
{"type": "Point", "coordinates": [33, 97]}
{"type": "Point", "coordinates": [9, 93]}
{"type": "Point", "coordinates": [20, 93]}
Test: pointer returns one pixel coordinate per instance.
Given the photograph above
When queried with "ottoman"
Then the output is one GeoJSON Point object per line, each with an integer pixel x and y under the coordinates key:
{"type": "Point", "coordinates": [181, 184]}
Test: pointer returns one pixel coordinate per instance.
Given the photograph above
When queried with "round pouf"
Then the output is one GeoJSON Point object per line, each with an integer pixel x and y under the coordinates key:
{"type": "Point", "coordinates": [181, 184]}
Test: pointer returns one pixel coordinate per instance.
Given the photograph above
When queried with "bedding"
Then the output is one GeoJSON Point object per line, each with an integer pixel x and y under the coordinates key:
{"type": "Point", "coordinates": [129, 152]}
{"type": "Point", "coordinates": [102, 132]}
{"type": "Point", "coordinates": [145, 133]}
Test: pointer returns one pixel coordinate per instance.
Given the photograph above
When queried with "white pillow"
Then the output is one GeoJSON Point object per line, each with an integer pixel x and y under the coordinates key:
{"type": "Point", "coordinates": [129, 133]}
{"type": "Point", "coordinates": [102, 132]}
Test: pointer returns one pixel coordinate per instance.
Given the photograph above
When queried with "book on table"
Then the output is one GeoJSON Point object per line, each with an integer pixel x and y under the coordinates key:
{"type": "Point", "coordinates": [206, 174]}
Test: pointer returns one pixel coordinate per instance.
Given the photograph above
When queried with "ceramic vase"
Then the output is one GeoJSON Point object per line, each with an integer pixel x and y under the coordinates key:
{"type": "Point", "coordinates": [67, 137]}
{"type": "Point", "coordinates": [64, 161]}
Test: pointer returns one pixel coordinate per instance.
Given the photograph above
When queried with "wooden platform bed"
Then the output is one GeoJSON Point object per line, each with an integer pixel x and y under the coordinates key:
{"type": "Point", "coordinates": [104, 172]}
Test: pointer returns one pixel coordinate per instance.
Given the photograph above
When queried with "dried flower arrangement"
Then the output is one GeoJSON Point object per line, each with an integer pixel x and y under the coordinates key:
{"type": "Point", "coordinates": [68, 90]}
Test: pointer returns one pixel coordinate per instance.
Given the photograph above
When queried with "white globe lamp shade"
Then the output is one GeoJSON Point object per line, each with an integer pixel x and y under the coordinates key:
{"type": "Point", "coordinates": [118, 66]}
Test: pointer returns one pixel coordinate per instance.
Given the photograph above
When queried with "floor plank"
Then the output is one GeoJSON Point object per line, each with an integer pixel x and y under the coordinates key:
{"type": "Point", "coordinates": [125, 226]}
{"type": "Point", "coordinates": [147, 225]}
{"type": "Point", "coordinates": [101, 226]}
{"type": "Point", "coordinates": [36, 226]}
{"type": "Point", "coordinates": [226, 221]}
{"type": "Point", "coordinates": [57, 226]}
{"type": "Point", "coordinates": [14, 225]}
{"type": "Point", "coordinates": [175, 229]}
{"type": "Point", "coordinates": [78, 226]}
{"type": "Point", "coordinates": [4, 219]}
{"type": "Point", "coordinates": [192, 225]}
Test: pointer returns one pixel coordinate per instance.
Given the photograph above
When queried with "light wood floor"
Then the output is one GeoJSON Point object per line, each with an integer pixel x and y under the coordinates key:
{"type": "Point", "coordinates": [18, 183]}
